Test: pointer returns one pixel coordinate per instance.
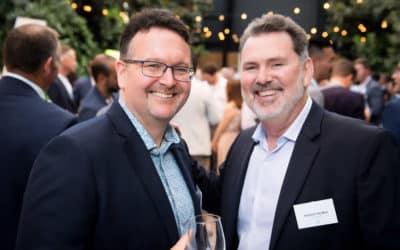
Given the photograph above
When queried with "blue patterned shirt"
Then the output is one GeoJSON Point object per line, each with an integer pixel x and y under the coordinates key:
{"type": "Point", "coordinates": [167, 168]}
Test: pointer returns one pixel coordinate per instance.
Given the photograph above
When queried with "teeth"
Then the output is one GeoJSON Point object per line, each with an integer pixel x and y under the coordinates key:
{"type": "Point", "coordinates": [163, 95]}
{"type": "Point", "coordinates": [267, 92]}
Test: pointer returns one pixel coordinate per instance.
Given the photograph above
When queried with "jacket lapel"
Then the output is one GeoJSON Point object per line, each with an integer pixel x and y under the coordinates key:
{"type": "Point", "coordinates": [237, 159]}
{"type": "Point", "coordinates": [141, 162]}
{"type": "Point", "coordinates": [304, 153]}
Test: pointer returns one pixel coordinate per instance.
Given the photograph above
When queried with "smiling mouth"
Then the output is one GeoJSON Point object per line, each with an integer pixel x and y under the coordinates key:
{"type": "Point", "coordinates": [267, 92]}
{"type": "Point", "coordinates": [163, 95]}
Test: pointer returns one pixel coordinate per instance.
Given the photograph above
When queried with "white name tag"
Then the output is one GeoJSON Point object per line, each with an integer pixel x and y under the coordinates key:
{"type": "Point", "coordinates": [315, 213]}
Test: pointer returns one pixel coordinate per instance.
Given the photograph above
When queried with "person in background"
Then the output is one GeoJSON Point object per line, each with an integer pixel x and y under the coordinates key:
{"type": "Point", "coordinates": [337, 95]}
{"type": "Point", "coordinates": [229, 127]}
{"type": "Point", "coordinates": [217, 83]}
{"type": "Point", "coordinates": [29, 120]}
{"type": "Point", "coordinates": [371, 89]}
{"type": "Point", "coordinates": [195, 119]}
{"type": "Point", "coordinates": [322, 54]}
{"type": "Point", "coordinates": [102, 94]}
{"type": "Point", "coordinates": [60, 91]}
{"type": "Point", "coordinates": [122, 180]}
{"type": "Point", "coordinates": [303, 178]}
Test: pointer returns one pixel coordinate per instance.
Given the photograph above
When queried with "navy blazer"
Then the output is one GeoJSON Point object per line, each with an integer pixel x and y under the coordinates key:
{"type": "Point", "coordinates": [95, 187]}
{"type": "Point", "coordinates": [59, 95]}
{"type": "Point", "coordinates": [391, 118]}
{"type": "Point", "coordinates": [91, 104]}
{"type": "Point", "coordinates": [28, 123]}
{"type": "Point", "coordinates": [355, 164]}
{"type": "Point", "coordinates": [375, 100]}
{"type": "Point", "coordinates": [81, 88]}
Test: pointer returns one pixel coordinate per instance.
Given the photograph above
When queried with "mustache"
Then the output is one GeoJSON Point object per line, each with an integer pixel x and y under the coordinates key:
{"type": "Point", "coordinates": [166, 90]}
{"type": "Point", "coordinates": [266, 86]}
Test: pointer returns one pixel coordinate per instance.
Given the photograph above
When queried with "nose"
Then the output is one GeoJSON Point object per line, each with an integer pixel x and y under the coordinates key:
{"type": "Point", "coordinates": [264, 75]}
{"type": "Point", "coordinates": [167, 78]}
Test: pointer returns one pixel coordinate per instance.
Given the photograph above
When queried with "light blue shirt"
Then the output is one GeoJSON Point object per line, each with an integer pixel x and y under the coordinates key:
{"type": "Point", "coordinates": [263, 183]}
{"type": "Point", "coordinates": [171, 177]}
{"type": "Point", "coordinates": [34, 86]}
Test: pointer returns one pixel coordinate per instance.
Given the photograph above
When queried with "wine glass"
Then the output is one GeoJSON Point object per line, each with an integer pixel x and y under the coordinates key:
{"type": "Point", "coordinates": [207, 232]}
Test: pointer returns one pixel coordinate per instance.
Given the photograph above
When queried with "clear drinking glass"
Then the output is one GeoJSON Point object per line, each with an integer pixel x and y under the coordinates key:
{"type": "Point", "coordinates": [207, 232]}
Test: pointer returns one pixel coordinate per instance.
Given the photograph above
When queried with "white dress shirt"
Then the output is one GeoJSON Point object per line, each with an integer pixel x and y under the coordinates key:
{"type": "Point", "coordinates": [263, 183]}
{"type": "Point", "coordinates": [68, 86]}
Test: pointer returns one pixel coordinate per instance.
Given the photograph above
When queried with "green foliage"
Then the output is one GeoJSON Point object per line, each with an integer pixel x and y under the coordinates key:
{"type": "Point", "coordinates": [71, 27]}
{"type": "Point", "coordinates": [380, 46]}
{"type": "Point", "coordinates": [104, 30]}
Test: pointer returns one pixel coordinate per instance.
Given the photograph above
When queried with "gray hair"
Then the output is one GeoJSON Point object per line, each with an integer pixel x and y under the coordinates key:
{"type": "Point", "coordinates": [269, 23]}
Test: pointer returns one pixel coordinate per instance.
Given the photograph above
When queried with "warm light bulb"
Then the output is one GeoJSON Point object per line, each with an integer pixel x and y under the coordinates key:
{"type": "Point", "coordinates": [313, 30]}
{"type": "Point", "coordinates": [105, 12]}
{"type": "Point", "coordinates": [384, 24]}
{"type": "Point", "coordinates": [74, 5]}
{"type": "Point", "coordinates": [221, 18]}
{"type": "Point", "coordinates": [327, 5]}
{"type": "Point", "coordinates": [344, 33]}
{"type": "Point", "coordinates": [296, 10]}
{"type": "Point", "coordinates": [363, 39]}
{"type": "Point", "coordinates": [87, 8]}
{"type": "Point", "coordinates": [198, 19]}
{"type": "Point", "coordinates": [336, 29]}
{"type": "Point", "coordinates": [227, 31]}
{"type": "Point", "coordinates": [324, 34]}
{"type": "Point", "coordinates": [243, 16]}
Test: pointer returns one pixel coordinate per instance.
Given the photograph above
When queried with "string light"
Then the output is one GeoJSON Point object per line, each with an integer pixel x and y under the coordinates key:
{"type": "Point", "coordinates": [313, 30]}
{"type": "Point", "coordinates": [87, 8]}
{"type": "Point", "coordinates": [384, 24]}
{"type": "Point", "coordinates": [105, 12]}
{"type": "Point", "coordinates": [243, 16]}
{"type": "Point", "coordinates": [336, 29]}
{"type": "Point", "coordinates": [359, 1]}
{"type": "Point", "coordinates": [221, 18]}
{"type": "Point", "coordinates": [344, 33]}
{"type": "Point", "coordinates": [206, 29]}
{"type": "Point", "coordinates": [296, 10]}
{"type": "Point", "coordinates": [74, 5]}
{"type": "Point", "coordinates": [362, 28]}
{"type": "Point", "coordinates": [198, 19]}
{"type": "Point", "coordinates": [363, 39]}
{"type": "Point", "coordinates": [227, 31]}
{"type": "Point", "coordinates": [221, 36]}
{"type": "Point", "coordinates": [327, 6]}
{"type": "Point", "coordinates": [324, 34]}
{"type": "Point", "coordinates": [208, 34]}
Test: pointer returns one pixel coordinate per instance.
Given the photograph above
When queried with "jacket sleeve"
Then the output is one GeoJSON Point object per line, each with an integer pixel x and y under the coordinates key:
{"type": "Point", "coordinates": [59, 203]}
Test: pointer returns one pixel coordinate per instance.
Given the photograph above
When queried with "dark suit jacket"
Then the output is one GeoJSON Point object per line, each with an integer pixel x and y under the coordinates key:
{"type": "Point", "coordinates": [391, 118]}
{"type": "Point", "coordinates": [355, 164]}
{"type": "Point", "coordinates": [344, 102]}
{"type": "Point", "coordinates": [91, 104]}
{"type": "Point", "coordinates": [375, 101]}
{"type": "Point", "coordinates": [95, 187]}
{"type": "Point", "coordinates": [81, 88]}
{"type": "Point", "coordinates": [59, 95]}
{"type": "Point", "coordinates": [28, 123]}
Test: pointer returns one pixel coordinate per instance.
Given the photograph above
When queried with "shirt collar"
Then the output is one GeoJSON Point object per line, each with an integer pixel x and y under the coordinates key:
{"type": "Point", "coordinates": [292, 132]}
{"type": "Point", "coordinates": [34, 86]}
{"type": "Point", "coordinates": [170, 135]}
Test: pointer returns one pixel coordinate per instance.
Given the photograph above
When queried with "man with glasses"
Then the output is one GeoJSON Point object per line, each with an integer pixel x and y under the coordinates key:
{"type": "Point", "coordinates": [121, 181]}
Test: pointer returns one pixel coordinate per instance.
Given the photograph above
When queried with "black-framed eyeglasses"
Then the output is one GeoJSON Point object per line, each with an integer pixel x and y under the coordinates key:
{"type": "Point", "coordinates": [157, 69]}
